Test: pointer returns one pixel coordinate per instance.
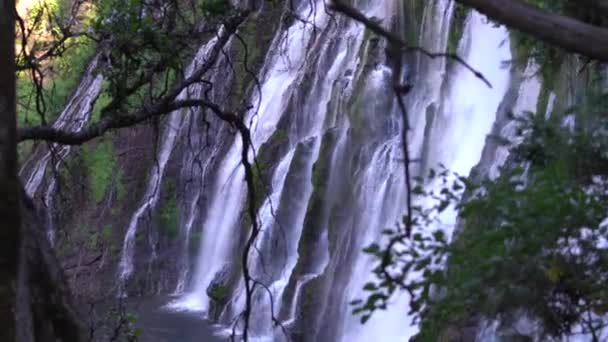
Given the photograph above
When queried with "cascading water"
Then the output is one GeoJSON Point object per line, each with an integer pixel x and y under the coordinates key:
{"type": "Point", "coordinates": [327, 133]}
{"type": "Point", "coordinates": [73, 118]}
{"type": "Point", "coordinates": [169, 137]}
{"type": "Point", "coordinates": [228, 195]}
{"type": "Point", "coordinates": [151, 196]}
{"type": "Point", "coordinates": [463, 120]}
{"type": "Point", "coordinates": [327, 114]}
{"type": "Point", "coordinates": [527, 100]}
{"type": "Point", "coordinates": [321, 128]}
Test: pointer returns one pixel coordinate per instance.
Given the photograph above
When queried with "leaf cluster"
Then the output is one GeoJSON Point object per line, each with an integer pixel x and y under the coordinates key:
{"type": "Point", "coordinates": [531, 241]}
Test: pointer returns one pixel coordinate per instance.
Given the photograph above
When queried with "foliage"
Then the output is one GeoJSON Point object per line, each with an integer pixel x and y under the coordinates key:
{"type": "Point", "coordinates": [138, 34]}
{"type": "Point", "coordinates": [125, 324]}
{"type": "Point", "coordinates": [168, 219]}
{"type": "Point", "coordinates": [218, 292]}
{"type": "Point", "coordinates": [103, 100]}
{"type": "Point", "coordinates": [100, 238]}
{"type": "Point", "coordinates": [47, 73]}
{"type": "Point", "coordinates": [100, 164]}
{"type": "Point", "coordinates": [143, 47]}
{"type": "Point", "coordinates": [534, 240]}
{"type": "Point", "coordinates": [63, 75]}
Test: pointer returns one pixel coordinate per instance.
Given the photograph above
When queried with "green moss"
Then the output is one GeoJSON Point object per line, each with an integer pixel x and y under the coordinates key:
{"type": "Point", "coordinates": [99, 239]}
{"type": "Point", "coordinates": [103, 100]}
{"type": "Point", "coordinates": [257, 34]}
{"type": "Point", "coordinates": [543, 99]}
{"type": "Point", "coordinates": [279, 135]}
{"type": "Point", "coordinates": [62, 76]}
{"type": "Point", "coordinates": [168, 219]}
{"type": "Point", "coordinates": [310, 296]}
{"type": "Point", "coordinates": [261, 169]}
{"type": "Point", "coordinates": [359, 103]}
{"type": "Point", "coordinates": [100, 164]}
{"type": "Point", "coordinates": [120, 187]}
{"type": "Point", "coordinates": [457, 27]}
{"type": "Point", "coordinates": [107, 232]}
{"type": "Point", "coordinates": [316, 205]}
{"type": "Point", "coordinates": [218, 292]}
{"type": "Point", "coordinates": [259, 184]}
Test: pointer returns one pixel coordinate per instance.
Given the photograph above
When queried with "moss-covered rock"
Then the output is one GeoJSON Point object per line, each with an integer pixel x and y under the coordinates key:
{"type": "Point", "coordinates": [457, 26]}
{"type": "Point", "coordinates": [220, 290]}
{"type": "Point", "coordinates": [249, 52]}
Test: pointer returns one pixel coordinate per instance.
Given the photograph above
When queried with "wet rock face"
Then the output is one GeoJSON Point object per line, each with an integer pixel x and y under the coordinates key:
{"type": "Point", "coordinates": [219, 290]}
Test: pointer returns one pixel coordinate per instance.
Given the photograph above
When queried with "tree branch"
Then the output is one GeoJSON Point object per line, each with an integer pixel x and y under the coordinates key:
{"type": "Point", "coordinates": [111, 117]}
{"type": "Point", "coordinates": [396, 41]}
{"type": "Point", "coordinates": [562, 31]}
{"type": "Point", "coordinates": [60, 136]}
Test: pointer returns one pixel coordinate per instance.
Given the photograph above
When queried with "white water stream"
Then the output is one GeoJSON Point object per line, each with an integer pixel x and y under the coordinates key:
{"type": "Point", "coordinates": [466, 116]}
{"type": "Point", "coordinates": [73, 118]}
{"type": "Point", "coordinates": [340, 82]}
{"type": "Point", "coordinates": [169, 137]}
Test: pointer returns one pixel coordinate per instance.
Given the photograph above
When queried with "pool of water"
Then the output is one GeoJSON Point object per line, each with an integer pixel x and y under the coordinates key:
{"type": "Point", "coordinates": [162, 325]}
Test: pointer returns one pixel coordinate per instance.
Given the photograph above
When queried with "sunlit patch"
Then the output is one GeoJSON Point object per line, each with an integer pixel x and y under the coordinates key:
{"type": "Point", "coordinates": [23, 5]}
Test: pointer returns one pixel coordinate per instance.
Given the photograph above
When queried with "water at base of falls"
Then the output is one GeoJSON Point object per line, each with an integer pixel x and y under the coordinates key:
{"type": "Point", "coordinates": [161, 325]}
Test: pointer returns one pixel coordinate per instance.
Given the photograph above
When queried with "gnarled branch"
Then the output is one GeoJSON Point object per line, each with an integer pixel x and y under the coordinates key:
{"type": "Point", "coordinates": [113, 119]}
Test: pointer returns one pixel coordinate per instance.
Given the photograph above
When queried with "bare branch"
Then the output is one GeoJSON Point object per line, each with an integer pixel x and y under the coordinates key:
{"type": "Point", "coordinates": [113, 119]}
{"type": "Point", "coordinates": [396, 41]}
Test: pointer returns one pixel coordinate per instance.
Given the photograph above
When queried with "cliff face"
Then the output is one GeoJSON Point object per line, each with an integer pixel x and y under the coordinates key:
{"type": "Point", "coordinates": [159, 208]}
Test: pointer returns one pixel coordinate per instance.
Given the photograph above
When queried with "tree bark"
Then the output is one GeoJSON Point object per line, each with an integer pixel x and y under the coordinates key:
{"type": "Point", "coordinates": [565, 32]}
{"type": "Point", "coordinates": [45, 309]}
{"type": "Point", "coordinates": [9, 184]}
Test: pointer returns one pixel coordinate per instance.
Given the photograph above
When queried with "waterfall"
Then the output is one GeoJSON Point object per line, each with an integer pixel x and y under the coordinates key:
{"type": "Point", "coordinates": [229, 186]}
{"type": "Point", "coordinates": [167, 141]}
{"type": "Point", "coordinates": [464, 117]}
{"type": "Point", "coordinates": [73, 118]}
{"type": "Point", "coordinates": [151, 195]}
{"type": "Point", "coordinates": [326, 97]}
{"type": "Point", "coordinates": [527, 100]}
{"type": "Point", "coordinates": [327, 155]}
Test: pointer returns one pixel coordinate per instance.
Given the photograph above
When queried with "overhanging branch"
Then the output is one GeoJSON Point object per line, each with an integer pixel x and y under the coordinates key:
{"type": "Point", "coordinates": [396, 41]}
{"type": "Point", "coordinates": [562, 31]}
{"type": "Point", "coordinates": [111, 118]}
{"type": "Point", "coordinates": [60, 136]}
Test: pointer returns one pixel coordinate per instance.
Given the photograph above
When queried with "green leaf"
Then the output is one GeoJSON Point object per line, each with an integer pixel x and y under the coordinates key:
{"type": "Point", "coordinates": [370, 287]}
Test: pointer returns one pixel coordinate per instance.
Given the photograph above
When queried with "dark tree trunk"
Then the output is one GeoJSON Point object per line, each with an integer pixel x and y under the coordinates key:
{"type": "Point", "coordinates": [46, 310]}
{"type": "Point", "coordinates": [35, 301]}
{"type": "Point", "coordinates": [9, 184]}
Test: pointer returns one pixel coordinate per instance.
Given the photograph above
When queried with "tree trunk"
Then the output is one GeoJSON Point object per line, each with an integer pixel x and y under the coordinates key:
{"type": "Point", "coordinates": [35, 301]}
{"type": "Point", "coordinates": [46, 310]}
{"type": "Point", "coordinates": [9, 184]}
